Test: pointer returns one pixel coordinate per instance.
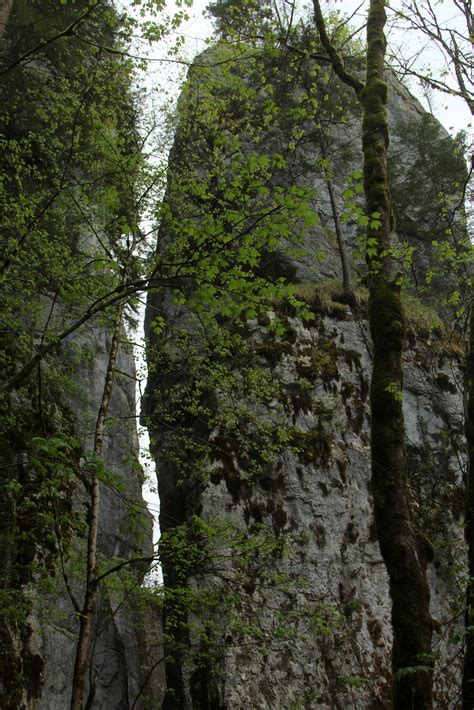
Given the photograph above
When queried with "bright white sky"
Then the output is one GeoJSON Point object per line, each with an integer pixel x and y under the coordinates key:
{"type": "Point", "coordinates": [163, 81]}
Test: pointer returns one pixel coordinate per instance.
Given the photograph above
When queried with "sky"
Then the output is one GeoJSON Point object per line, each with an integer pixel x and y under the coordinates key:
{"type": "Point", "coordinates": [163, 80]}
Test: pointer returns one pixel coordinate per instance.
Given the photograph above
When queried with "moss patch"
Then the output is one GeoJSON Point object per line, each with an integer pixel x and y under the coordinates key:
{"type": "Point", "coordinates": [319, 363]}
{"type": "Point", "coordinates": [313, 446]}
{"type": "Point", "coordinates": [421, 318]}
{"type": "Point", "coordinates": [273, 347]}
{"type": "Point", "coordinates": [299, 398]}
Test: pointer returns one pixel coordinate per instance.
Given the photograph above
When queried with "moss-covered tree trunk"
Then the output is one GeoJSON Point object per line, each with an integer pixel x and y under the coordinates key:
{"type": "Point", "coordinates": [399, 542]}
{"type": "Point", "coordinates": [401, 551]}
{"type": "Point", "coordinates": [468, 670]}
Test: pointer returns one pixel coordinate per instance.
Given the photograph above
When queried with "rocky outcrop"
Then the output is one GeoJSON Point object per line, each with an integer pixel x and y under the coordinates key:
{"type": "Point", "coordinates": [118, 669]}
{"type": "Point", "coordinates": [69, 163]}
{"type": "Point", "coordinates": [126, 652]}
{"type": "Point", "coordinates": [264, 446]}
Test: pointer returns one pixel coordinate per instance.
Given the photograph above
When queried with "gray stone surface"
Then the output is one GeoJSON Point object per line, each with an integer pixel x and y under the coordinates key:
{"type": "Point", "coordinates": [328, 503]}
{"type": "Point", "coordinates": [318, 499]}
{"type": "Point", "coordinates": [123, 645]}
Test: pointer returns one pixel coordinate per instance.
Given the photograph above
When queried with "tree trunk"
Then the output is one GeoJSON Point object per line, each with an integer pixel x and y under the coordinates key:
{"type": "Point", "coordinates": [90, 596]}
{"type": "Point", "coordinates": [347, 284]}
{"type": "Point", "coordinates": [400, 544]}
{"type": "Point", "coordinates": [468, 670]}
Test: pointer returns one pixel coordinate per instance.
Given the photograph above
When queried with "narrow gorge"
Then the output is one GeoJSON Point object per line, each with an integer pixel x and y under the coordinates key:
{"type": "Point", "coordinates": [274, 594]}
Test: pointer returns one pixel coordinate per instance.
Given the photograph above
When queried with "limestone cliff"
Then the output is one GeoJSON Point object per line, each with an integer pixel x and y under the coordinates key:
{"type": "Point", "coordinates": [38, 661]}
{"type": "Point", "coordinates": [265, 446]}
{"type": "Point", "coordinates": [67, 131]}
{"type": "Point", "coordinates": [123, 640]}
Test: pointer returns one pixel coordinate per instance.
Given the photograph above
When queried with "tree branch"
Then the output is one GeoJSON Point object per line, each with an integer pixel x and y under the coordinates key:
{"type": "Point", "coordinates": [335, 57]}
{"type": "Point", "coordinates": [67, 32]}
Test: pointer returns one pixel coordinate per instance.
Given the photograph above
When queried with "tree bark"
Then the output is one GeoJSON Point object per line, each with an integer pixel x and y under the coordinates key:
{"type": "Point", "coordinates": [400, 544]}
{"type": "Point", "coordinates": [468, 669]}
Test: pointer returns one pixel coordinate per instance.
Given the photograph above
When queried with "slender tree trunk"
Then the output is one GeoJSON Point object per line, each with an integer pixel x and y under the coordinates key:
{"type": "Point", "coordinates": [90, 596]}
{"type": "Point", "coordinates": [468, 670]}
{"type": "Point", "coordinates": [346, 271]}
{"type": "Point", "coordinates": [400, 545]}
{"type": "Point", "coordinates": [347, 284]}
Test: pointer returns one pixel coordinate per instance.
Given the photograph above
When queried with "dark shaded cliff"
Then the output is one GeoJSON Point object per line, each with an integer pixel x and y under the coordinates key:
{"type": "Point", "coordinates": [69, 159]}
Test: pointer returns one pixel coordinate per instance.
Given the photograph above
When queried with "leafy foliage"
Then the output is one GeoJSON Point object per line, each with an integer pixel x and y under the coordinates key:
{"type": "Point", "coordinates": [69, 189]}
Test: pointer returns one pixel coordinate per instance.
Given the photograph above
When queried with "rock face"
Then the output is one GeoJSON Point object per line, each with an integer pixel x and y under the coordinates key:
{"type": "Point", "coordinates": [118, 668]}
{"type": "Point", "coordinates": [69, 162]}
{"type": "Point", "coordinates": [283, 467]}
{"type": "Point", "coordinates": [127, 639]}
